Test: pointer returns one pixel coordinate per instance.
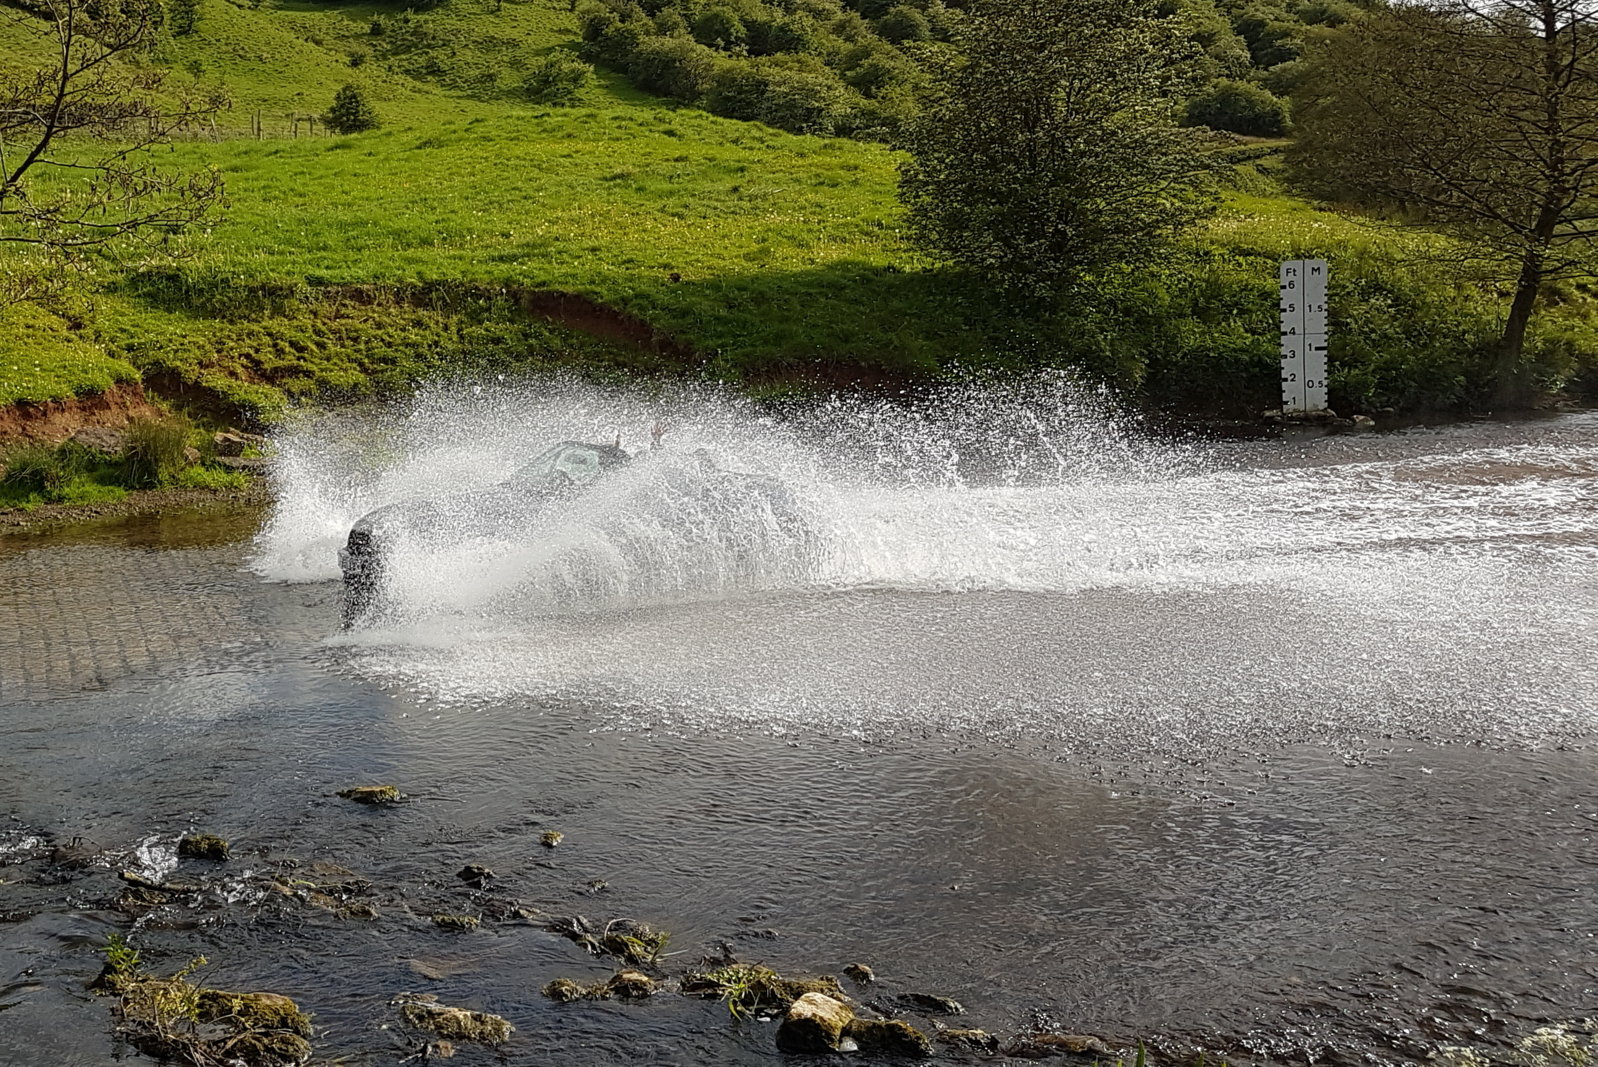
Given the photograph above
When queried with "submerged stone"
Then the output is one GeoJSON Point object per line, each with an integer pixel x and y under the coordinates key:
{"type": "Point", "coordinates": [888, 1037]}
{"type": "Point", "coordinates": [203, 847]}
{"type": "Point", "coordinates": [475, 875]}
{"type": "Point", "coordinates": [860, 973]}
{"type": "Point", "coordinates": [973, 1040]}
{"type": "Point", "coordinates": [456, 922]}
{"type": "Point", "coordinates": [929, 1004]}
{"type": "Point", "coordinates": [1041, 1046]}
{"type": "Point", "coordinates": [814, 1023]}
{"type": "Point", "coordinates": [551, 838]}
{"type": "Point", "coordinates": [423, 1011]}
{"type": "Point", "coordinates": [631, 985]}
{"type": "Point", "coordinates": [373, 794]}
{"type": "Point", "coordinates": [566, 990]}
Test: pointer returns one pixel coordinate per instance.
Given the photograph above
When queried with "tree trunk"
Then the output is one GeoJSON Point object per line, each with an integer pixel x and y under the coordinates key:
{"type": "Point", "coordinates": [1511, 392]}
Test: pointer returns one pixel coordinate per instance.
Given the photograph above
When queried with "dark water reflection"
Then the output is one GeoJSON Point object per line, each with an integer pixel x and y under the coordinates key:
{"type": "Point", "coordinates": [1290, 902]}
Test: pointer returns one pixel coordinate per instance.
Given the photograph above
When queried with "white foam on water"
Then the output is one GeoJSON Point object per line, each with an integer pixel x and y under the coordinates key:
{"type": "Point", "coordinates": [1019, 553]}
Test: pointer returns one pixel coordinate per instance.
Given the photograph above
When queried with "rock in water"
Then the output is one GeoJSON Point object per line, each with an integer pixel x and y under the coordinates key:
{"type": "Point", "coordinates": [203, 847]}
{"type": "Point", "coordinates": [814, 1023]}
{"type": "Point", "coordinates": [889, 1037]}
{"type": "Point", "coordinates": [475, 875]}
{"type": "Point", "coordinates": [373, 794]}
{"type": "Point", "coordinates": [972, 1040]}
{"type": "Point", "coordinates": [423, 1011]}
{"type": "Point", "coordinates": [860, 973]}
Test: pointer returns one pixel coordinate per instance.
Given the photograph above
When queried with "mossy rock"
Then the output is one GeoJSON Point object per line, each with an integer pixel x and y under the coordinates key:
{"type": "Point", "coordinates": [252, 1011]}
{"type": "Point", "coordinates": [971, 1040]}
{"type": "Point", "coordinates": [551, 838]}
{"type": "Point", "coordinates": [203, 847]}
{"type": "Point", "coordinates": [423, 1011]}
{"type": "Point", "coordinates": [566, 990]}
{"type": "Point", "coordinates": [631, 985]}
{"type": "Point", "coordinates": [814, 1023]}
{"type": "Point", "coordinates": [373, 794]}
{"type": "Point", "coordinates": [457, 922]}
{"type": "Point", "coordinates": [889, 1037]}
{"type": "Point", "coordinates": [267, 1049]}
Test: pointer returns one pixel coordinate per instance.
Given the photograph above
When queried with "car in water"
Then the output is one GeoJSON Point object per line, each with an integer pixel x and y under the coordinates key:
{"type": "Point", "coordinates": [726, 521]}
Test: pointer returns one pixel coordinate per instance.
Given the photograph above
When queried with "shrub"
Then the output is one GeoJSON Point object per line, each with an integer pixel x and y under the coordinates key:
{"type": "Point", "coordinates": [673, 66]}
{"type": "Point", "coordinates": [154, 452]}
{"type": "Point", "coordinates": [350, 113]}
{"type": "Point", "coordinates": [35, 468]}
{"type": "Point", "coordinates": [720, 28]}
{"type": "Point", "coordinates": [1239, 107]}
{"type": "Point", "coordinates": [904, 23]}
{"type": "Point", "coordinates": [789, 98]}
{"type": "Point", "coordinates": [557, 79]}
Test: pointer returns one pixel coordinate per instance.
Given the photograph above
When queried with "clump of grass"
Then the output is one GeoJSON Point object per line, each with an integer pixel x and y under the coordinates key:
{"type": "Point", "coordinates": [747, 988]}
{"type": "Point", "coordinates": [35, 467]}
{"type": "Point", "coordinates": [215, 478]}
{"type": "Point", "coordinates": [155, 451]}
{"type": "Point", "coordinates": [636, 942]}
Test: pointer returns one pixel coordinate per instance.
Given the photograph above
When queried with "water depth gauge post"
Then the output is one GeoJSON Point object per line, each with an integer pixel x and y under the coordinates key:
{"type": "Point", "coordinates": [1303, 307]}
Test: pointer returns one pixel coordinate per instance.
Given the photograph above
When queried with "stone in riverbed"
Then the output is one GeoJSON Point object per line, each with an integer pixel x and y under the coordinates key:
{"type": "Point", "coordinates": [423, 1011]}
{"type": "Point", "coordinates": [475, 875]}
{"type": "Point", "coordinates": [1042, 1046]}
{"type": "Point", "coordinates": [814, 1023]}
{"type": "Point", "coordinates": [888, 1037]}
{"type": "Point", "coordinates": [928, 1004]}
{"type": "Point", "coordinates": [551, 838]}
{"type": "Point", "coordinates": [860, 973]}
{"type": "Point", "coordinates": [203, 847]}
{"type": "Point", "coordinates": [971, 1040]}
{"type": "Point", "coordinates": [456, 922]}
{"type": "Point", "coordinates": [373, 794]}
{"type": "Point", "coordinates": [631, 985]}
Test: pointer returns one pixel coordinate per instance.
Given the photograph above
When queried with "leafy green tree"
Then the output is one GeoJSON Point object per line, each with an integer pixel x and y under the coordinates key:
{"type": "Point", "coordinates": [351, 112]}
{"type": "Point", "coordinates": [1476, 118]}
{"type": "Point", "coordinates": [1238, 107]}
{"type": "Point", "coordinates": [904, 23]}
{"type": "Point", "coordinates": [1051, 155]}
{"type": "Point", "coordinates": [76, 171]}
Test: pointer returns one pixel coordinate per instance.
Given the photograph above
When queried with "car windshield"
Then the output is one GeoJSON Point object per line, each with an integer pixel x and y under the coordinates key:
{"type": "Point", "coordinates": [580, 463]}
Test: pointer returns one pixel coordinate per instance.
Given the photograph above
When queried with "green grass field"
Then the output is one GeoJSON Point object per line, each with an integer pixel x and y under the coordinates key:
{"type": "Point", "coordinates": [774, 257]}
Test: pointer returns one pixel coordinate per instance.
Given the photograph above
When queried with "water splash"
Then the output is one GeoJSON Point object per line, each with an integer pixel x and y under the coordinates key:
{"type": "Point", "coordinates": [1022, 557]}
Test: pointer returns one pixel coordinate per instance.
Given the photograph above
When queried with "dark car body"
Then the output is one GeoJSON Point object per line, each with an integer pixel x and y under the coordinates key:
{"type": "Point", "coordinates": [553, 475]}
{"type": "Point", "coordinates": [677, 524]}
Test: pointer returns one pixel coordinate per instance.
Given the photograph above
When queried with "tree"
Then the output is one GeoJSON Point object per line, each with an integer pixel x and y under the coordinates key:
{"type": "Point", "coordinates": [75, 134]}
{"type": "Point", "coordinates": [1051, 155]}
{"type": "Point", "coordinates": [1238, 107]}
{"type": "Point", "coordinates": [350, 113]}
{"type": "Point", "coordinates": [1476, 118]}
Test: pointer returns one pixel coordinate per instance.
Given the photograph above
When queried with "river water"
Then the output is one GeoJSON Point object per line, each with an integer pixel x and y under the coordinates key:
{"type": "Point", "coordinates": [1281, 749]}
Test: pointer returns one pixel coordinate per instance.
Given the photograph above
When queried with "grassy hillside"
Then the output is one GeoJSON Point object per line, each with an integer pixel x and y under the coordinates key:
{"type": "Point", "coordinates": [350, 263]}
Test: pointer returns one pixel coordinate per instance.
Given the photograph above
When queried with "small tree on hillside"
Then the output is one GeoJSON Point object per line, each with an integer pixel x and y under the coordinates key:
{"type": "Point", "coordinates": [557, 79]}
{"type": "Point", "coordinates": [1052, 155]}
{"type": "Point", "coordinates": [351, 113]}
{"type": "Point", "coordinates": [1477, 118]}
{"type": "Point", "coordinates": [103, 191]}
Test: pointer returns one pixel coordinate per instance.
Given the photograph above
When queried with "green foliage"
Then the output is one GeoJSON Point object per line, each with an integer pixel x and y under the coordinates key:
{"type": "Point", "coordinates": [1050, 157]}
{"type": "Point", "coordinates": [558, 79]}
{"type": "Point", "coordinates": [903, 24]}
{"type": "Point", "coordinates": [154, 452]}
{"type": "Point", "coordinates": [183, 17]}
{"type": "Point", "coordinates": [351, 112]}
{"type": "Point", "coordinates": [1238, 107]}
{"type": "Point", "coordinates": [215, 478]}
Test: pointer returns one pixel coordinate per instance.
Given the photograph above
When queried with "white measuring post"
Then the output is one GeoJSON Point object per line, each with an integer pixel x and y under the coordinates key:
{"type": "Point", "coordinates": [1303, 307]}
